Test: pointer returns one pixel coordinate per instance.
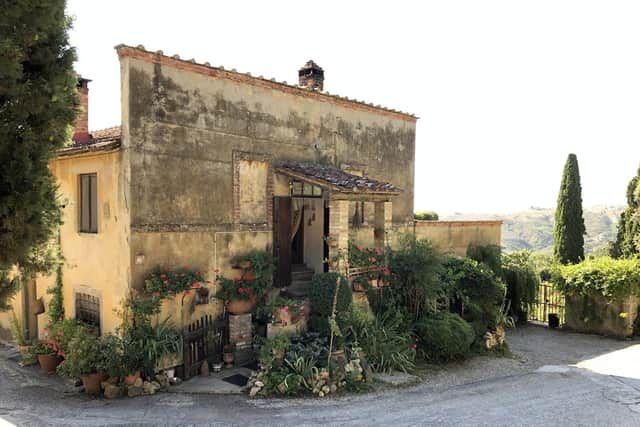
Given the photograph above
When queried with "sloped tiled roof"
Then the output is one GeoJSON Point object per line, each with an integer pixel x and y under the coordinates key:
{"type": "Point", "coordinates": [101, 140]}
{"type": "Point", "coordinates": [334, 178]}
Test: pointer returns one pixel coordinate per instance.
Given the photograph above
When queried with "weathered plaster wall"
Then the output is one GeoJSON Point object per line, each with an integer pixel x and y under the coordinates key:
{"type": "Point", "coordinates": [95, 264]}
{"type": "Point", "coordinates": [594, 314]}
{"type": "Point", "coordinates": [452, 237]}
{"type": "Point", "coordinates": [184, 127]}
{"type": "Point", "coordinates": [206, 251]}
{"type": "Point", "coordinates": [189, 137]}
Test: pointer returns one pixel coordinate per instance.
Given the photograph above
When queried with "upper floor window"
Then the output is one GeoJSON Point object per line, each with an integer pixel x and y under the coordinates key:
{"type": "Point", "coordinates": [89, 203]}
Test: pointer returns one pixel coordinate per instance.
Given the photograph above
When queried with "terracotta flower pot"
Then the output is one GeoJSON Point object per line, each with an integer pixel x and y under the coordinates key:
{"type": "Point", "coordinates": [246, 264]}
{"type": "Point", "coordinates": [240, 306]}
{"type": "Point", "coordinates": [92, 383]}
{"type": "Point", "coordinates": [283, 316]}
{"type": "Point", "coordinates": [131, 378]}
{"type": "Point", "coordinates": [48, 363]}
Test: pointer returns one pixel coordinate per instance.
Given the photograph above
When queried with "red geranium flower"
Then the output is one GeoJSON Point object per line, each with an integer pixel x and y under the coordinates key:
{"type": "Point", "coordinates": [240, 290]}
{"type": "Point", "coordinates": [241, 338]}
{"type": "Point", "coordinates": [250, 277]}
{"type": "Point", "coordinates": [165, 282]}
{"type": "Point", "coordinates": [163, 276]}
{"type": "Point", "coordinates": [156, 294]}
{"type": "Point", "coordinates": [196, 285]}
{"type": "Point", "coordinates": [360, 248]}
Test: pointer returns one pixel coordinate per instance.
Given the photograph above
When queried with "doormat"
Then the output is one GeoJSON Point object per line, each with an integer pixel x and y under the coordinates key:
{"type": "Point", "coordinates": [253, 366]}
{"type": "Point", "coordinates": [237, 379]}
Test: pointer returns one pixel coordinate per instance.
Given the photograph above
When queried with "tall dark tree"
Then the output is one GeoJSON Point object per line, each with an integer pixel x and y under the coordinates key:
{"type": "Point", "coordinates": [627, 243]}
{"type": "Point", "coordinates": [38, 104]}
{"type": "Point", "coordinates": [569, 230]}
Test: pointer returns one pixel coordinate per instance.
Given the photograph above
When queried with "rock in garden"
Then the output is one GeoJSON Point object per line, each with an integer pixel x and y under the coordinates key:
{"type": "Point", "coordinates": [149, 388]}
{"type": "Point", "coordinates": [112, 391]}
{"type": "Point", "coordinates": [254, 391]}
{"type": "Point", "coordinates": [135, 391]}
{"type": "Point", "coordinates": [175, 381]}
{"type": "Point", "coordinates": [163, 381]}
{"type": "Point", "coordinates": [104, 384]}
{"type": "Point", "coordinates": [138, 382]}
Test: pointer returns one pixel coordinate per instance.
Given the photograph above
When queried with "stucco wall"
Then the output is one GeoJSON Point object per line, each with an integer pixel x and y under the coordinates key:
{"type": "Point", "coordinates": [184, 127]}
{"type": "Point", "coordinates": [451, 237]}
{"type": "Point", "coordinates": [95, 264]}
{"type": "Point", "coordinates": [595, 314]}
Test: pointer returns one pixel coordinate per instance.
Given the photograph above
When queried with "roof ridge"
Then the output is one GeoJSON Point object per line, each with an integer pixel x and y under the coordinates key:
{"type": "Point", "coordinates": [141, 48]}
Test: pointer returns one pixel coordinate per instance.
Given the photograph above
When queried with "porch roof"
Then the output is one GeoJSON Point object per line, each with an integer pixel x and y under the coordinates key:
{"type": "Point", "coordinates": [334, 179]}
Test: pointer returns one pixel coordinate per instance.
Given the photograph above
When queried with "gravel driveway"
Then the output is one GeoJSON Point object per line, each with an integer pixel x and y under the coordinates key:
{"type": "Point", "coordinates": [539, 386]}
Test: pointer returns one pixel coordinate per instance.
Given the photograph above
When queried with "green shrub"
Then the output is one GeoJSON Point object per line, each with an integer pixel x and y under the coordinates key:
{"type": "Point", "coordinates": [519, 274]}
{"type": "Point", "coordinates": [386, 340]}
{"type": "Point", "coordinates": [474, 291]}
{"type": "Point", "coordinates": [615, 279]}
{"type": "Point", "coordinates": [444, 336]}
{"type": "Point", "coordinates": [489, 255]}
{"type": "Point", "coordinates": [426, 216]}
{"type": "Point", "coordinates": [321, 295]}
{"type": "Point", "coordinates": [415, 268]}
{"type": "Point", "coordinates": [81, 357]}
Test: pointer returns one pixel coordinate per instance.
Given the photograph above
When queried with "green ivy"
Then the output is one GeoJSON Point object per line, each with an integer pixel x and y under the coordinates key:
{"type": "Point", "coordinates": [56, 304]}
{"type": "Point", "coordinates": [615, 279]}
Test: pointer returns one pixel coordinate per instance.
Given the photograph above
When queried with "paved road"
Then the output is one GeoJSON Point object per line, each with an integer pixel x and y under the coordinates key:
{"type": "Point", "coordinates": [542, 388]}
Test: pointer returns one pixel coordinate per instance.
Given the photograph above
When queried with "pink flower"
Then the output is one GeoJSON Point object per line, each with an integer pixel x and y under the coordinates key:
{"type": "Point", "coordinates": [163, 276]}
{"type": "Point", "coordinates": [360, 248]}
{"type": "Point", "coordinates": [378, 252]}
{"type": "Point", "coordinates": [165, 282]}
{"type": "Point", "coordinates": [156, 294]}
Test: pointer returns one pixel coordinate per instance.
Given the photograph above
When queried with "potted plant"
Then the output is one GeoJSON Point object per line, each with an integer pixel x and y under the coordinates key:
{"type": "Point", "coordinates": [19, 334]}
{"type": "Point", "coordinates": [228, 354]}
{"type": "Point", "coordinates": [81, 361]}
{"type": "Point", "coordinates": [110, 356]}
{"type": "Point", "coordinates": [47, 356]}
{"type": "Point", "coordinates": [241, 294]}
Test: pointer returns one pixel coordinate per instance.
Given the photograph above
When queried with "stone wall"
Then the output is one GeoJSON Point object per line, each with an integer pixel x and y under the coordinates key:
{"type": "Point", "coordinates": [595, 314]}
{"type": "Point", "coordinates": [451, 237]}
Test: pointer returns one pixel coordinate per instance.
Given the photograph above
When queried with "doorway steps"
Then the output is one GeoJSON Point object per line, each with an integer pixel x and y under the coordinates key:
{"type": "Point", "coordinates": [301, 276]}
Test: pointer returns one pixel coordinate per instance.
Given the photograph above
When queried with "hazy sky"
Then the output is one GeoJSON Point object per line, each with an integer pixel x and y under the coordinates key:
{"type": "Point", "coordinates": [504, 89]}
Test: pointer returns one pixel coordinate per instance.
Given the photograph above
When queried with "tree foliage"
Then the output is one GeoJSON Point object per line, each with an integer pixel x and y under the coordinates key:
{"type": "Point", "coordinates": [569, 229]}
{"type": "Point", "coordinates": [38, 104]}
{"type": "Point", "coordinates": [426, 216]}
{"type": "Point", "coordinates": [627, 243]}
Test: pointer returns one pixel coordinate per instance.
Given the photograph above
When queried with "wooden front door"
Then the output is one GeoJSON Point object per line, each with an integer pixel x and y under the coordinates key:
{"type": "Point", "coordinates": [282, 240]}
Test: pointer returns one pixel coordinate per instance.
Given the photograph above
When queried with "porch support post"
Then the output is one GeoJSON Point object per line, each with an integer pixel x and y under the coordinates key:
{"type": "Point", "coordinates": [382, 222]}
{"type": "Point", "coordinates": [338, 233]}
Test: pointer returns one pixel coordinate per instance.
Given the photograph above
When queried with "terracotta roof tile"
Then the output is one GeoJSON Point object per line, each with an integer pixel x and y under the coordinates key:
{"type": "Point", "coordinates": [101, 140]}
{"type": "Point", "coordinates": [335, 178]}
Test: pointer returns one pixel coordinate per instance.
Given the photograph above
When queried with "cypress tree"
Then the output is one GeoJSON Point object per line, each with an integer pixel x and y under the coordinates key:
{"type": "Point", "coordinates": [627, 243]}
{"type": "Point", "coordinates": [38, 104]}
{"type": "Point", "coordinates": [569, 230]}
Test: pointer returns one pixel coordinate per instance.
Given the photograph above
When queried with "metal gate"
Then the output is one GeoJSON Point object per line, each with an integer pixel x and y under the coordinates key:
{"type": "Point", "coordinates": [203, 340]}
{"type": "Point", "coordinates": [549, 300]}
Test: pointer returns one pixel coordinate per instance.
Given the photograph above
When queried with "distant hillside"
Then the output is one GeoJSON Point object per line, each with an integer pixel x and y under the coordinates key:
{"type": "Point", "coordinates": [533, 229]}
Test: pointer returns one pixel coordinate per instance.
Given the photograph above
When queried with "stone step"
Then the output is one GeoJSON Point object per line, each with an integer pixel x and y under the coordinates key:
{"type": "Point", "coordinates": [302, 275]}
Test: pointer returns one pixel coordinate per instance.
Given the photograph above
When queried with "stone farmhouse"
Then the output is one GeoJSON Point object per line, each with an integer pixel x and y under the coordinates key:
{"type": "Point", "coordinates": [209, 163]}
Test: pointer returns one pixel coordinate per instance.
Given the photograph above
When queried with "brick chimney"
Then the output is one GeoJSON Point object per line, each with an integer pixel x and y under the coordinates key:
{"type": "Point", "coordinates": [81, 128]}
{"type": "Point", "coordinates": [311, 76]}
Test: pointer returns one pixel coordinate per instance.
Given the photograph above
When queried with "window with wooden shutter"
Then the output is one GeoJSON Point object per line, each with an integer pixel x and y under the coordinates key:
{"type": "Point", "coordinates": [89, 203]}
